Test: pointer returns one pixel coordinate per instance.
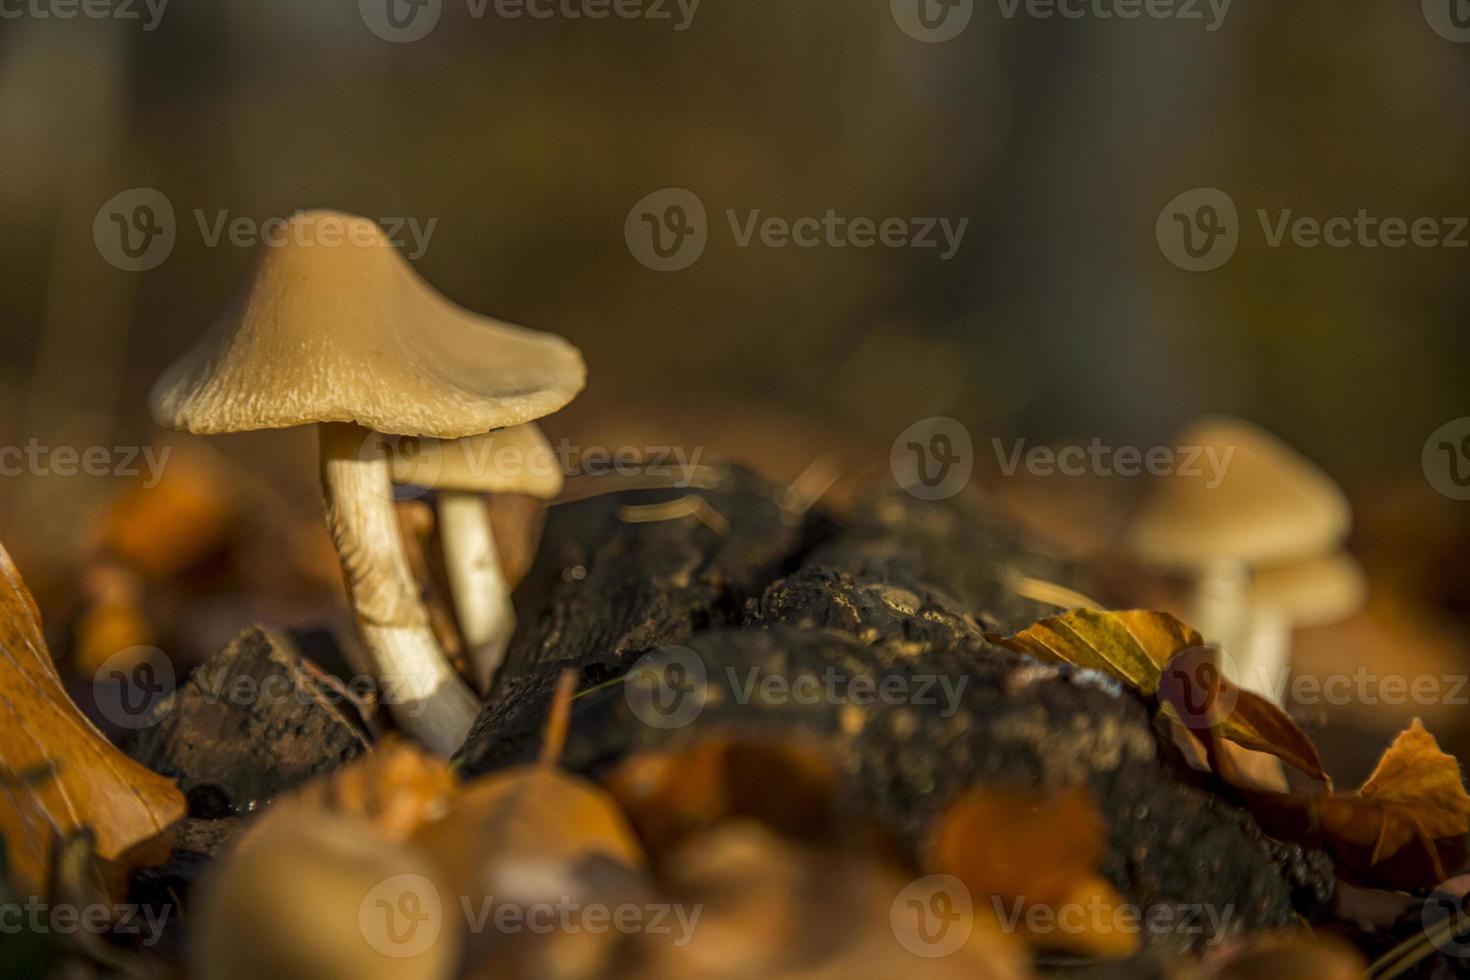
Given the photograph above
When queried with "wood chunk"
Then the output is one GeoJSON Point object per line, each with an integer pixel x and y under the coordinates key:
{"type": "Point", "coordinates": [604, 590]}
{"type": "Point", "coordinates": [960, 721]}
{"type": "Point", "coordinates": [924, 575]}
{"type": "Point", "coordinates": [252, 722]}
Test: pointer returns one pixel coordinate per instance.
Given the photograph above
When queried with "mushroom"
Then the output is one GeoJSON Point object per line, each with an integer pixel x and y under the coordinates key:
{"type": "Point", "coordinates": [1267, 506]}
{"type": "Point", "coordinates": [513, 460]}
{"type": "Point", "coordinates": [333, 328]}
{"type": "Point", "coordinates": [1315, 592]}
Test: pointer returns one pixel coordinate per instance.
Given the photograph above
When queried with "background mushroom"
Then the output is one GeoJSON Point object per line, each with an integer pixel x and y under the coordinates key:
{"type": "Point", "coordinates": [334, 328]}
{"type": "Point", "coordinates": [1270, 508]}
{"type": "Point", "coordinates": [513, 460]}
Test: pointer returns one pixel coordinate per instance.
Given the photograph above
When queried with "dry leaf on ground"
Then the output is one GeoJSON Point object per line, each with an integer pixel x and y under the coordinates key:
{"type": "Point", "coordinates": [1035, 857]}
{"type": "Point", "coordinates": [60, 774]}
{"type": "Point", "coordinates": [1298, 955]}
{"type": "Point", "coordinates": [396, 788]}
{"type": "Point", "coordinates": [1414, 799]}
{"type": "Point", "coordinates": [1139, 648]}
{"type": "Point", "coordinates": [755, 903]}
{"type": "Point", "coordinates": [671, 795]}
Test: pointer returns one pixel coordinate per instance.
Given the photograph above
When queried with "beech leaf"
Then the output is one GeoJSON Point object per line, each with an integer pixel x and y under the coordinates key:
{"type": "Point", "coordinates": [1035, 851]}
{"type": "Point", "coordinates": [60, 774]}
{"type": "Point", "coordinates": [1413, 798]}
{"type": "Point", "coordinates": [1142, 648]}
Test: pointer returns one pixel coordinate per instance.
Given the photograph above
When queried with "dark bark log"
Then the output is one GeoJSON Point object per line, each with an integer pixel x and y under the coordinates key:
{"type": "Point", "coordinates": [604, 591]}
{"type": "Point", "coordinates": [252, 722]}
{"type": "Point", "coordinates": [901, 596]}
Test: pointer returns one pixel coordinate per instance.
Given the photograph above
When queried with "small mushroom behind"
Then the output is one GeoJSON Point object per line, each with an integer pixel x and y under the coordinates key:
{"type": "Point", "coordinates": [1268, 506]}
{"type": "Point", "coordinates": [1315, 592]}
{"type": "Point", "coordinates": [513, 460]}
{"type": "Point", "coordinates": [335, 329]}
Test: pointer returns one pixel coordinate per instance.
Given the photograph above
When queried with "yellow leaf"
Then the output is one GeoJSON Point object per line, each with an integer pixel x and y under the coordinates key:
{"type": "Point", "coordinates": [1414, 796]}
{"type": "Point", "coordinates": [1132, 646]}
{"type": "Point", "coordinates": [1138, 647]}
{"type": "Point", "coordinates": [59, 774]}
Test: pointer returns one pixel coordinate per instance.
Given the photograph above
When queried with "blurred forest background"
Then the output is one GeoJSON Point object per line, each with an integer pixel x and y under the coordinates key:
{"type": "Point", "coordinates": [528, 141]}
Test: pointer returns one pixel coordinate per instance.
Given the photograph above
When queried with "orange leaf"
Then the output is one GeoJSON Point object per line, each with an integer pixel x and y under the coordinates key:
{"type": "Point", "coordinates": [83, 782]}
{"type": "Point", "coordinates": [1414, 796]}
{"type": "Point", "coordinates": [1041, 854]}
{"type": "Point", "coordinates": [1146, 650]}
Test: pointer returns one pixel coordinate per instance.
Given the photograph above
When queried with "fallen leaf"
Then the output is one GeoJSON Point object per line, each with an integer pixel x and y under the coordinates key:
{"type": "Point", "coordinates": [1299, 955]}
{"type": "Point", "coordinates": [162, 530]}
{"type": "Point", "coordinates": [756, 903]}
{"type": "Point", "coordinates": [1037, 853]}
{"type": "Point", "coordinates": [532, 817]}
{"type": "Point", "coordinates": [671, 795]}
{"type": "Point", "coordinates": [535, 836]}
{"type": "Point", "coordinates": [89, 784]}
{"type": "Point", "coordinates": [113, 621]}
{"type": "Point", "coordinates": [396, 788]}
{"type": "Point", "coordinates": [1140, 648]}
{"type": "Point", "coordinates": [324, 899]}
{"type": "Point", "coordinates": [1414, 797]}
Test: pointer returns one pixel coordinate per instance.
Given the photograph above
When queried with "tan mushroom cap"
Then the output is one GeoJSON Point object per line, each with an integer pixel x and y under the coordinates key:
{"type": "Point", "coordinates": [1314, 592]}
{"type": "Point", "coordinates": [514, 460]}
{"type": "Point", "coordinates": [334, 325]}
{"type": "Point", "coordinates": [1271, 506]}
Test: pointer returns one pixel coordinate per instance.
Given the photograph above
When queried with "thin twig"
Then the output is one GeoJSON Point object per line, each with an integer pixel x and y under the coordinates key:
{"type": "Point", "coordinates": [673, 510]}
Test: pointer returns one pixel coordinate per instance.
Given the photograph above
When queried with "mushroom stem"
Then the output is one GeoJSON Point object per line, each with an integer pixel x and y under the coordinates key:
{"type": "Point", "coordinates": [1220, 610]}
{"type": "Point", "coordinates": [1269, 652]}
{"type": "Point", "coordinates": [426, 697]}
{"type": "Point", "coordinates": [487, 617]}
